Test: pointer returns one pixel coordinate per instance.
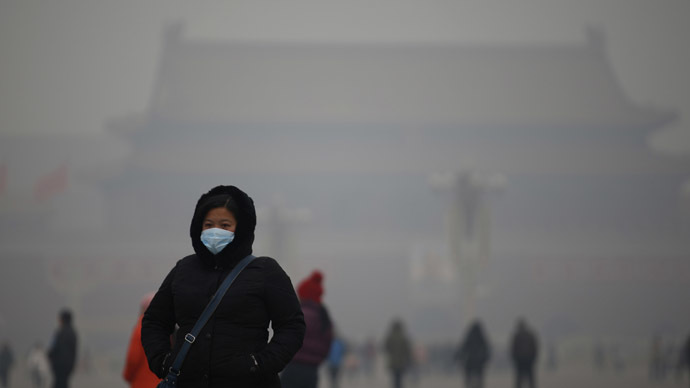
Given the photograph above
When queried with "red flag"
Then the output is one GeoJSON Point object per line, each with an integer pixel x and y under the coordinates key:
{"type": "Point", "coordinates": [51, 183]}
{"type": "Point", "coordinates": [3, 178]}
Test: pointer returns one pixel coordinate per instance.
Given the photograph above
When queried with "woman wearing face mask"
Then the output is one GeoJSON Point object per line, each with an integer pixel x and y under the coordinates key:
{"type": "Point", "coordinates": [233, 348]}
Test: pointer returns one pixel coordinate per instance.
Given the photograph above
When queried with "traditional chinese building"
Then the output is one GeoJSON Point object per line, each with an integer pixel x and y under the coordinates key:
{"type": "Point", "coordinates": [352, 132]}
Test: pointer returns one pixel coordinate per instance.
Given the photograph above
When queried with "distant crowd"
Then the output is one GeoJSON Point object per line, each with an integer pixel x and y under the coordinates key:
{"type": "Point", "coordinates": [225, 318]}
{"type": "Point", "coordinates": [326, 348]}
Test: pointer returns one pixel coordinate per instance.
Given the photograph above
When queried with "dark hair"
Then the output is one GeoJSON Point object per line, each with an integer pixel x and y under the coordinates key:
{"type": "Point", "coordinates": [66, 316]}
{"type": "Point", "coordinates": [217, 201]}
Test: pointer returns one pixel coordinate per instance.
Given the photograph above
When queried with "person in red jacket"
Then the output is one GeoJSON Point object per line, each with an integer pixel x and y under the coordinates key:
{"type": "Point", "coordinates": [302, 371]}
{"type": "Point", "coordinates": [136, 371]}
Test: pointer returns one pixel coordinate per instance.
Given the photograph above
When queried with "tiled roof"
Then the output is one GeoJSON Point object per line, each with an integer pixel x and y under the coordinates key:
{"type": "Point", "coordinates": [566, 86]}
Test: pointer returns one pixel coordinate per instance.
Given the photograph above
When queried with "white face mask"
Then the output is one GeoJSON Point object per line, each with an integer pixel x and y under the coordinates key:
{"type": "Point", "coordinates": [216, 239]}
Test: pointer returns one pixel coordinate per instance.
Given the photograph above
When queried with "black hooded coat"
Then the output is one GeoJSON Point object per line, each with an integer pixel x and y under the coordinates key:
{"type": "Point", "coordinates": [224, 351]}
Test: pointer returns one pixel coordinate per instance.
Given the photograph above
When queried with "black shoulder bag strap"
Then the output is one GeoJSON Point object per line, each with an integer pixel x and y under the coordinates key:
{"type": "Point", "coordinates": [190, 337]}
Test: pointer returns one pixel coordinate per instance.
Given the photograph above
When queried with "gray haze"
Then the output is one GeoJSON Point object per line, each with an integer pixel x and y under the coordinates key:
{"type": "Point", "coordinates": [437, 160]}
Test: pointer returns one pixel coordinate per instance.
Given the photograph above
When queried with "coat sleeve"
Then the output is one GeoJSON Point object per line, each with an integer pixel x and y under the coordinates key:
{"type": "Point", "coordinates": [326, 334]}
{"type": "Point", "coordinates": [287, 321]}
{"type": "Point", "coordinates": [157, 325]}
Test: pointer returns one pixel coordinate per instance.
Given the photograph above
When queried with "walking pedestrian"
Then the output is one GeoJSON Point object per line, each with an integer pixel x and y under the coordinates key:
{"type": "Point", "coordinates": [368, 352]}
{"type": "Point", "coordinates": [302, 371]}
{"type": "Point", "coordinates": [38, 366]}
{"type": "Point", "coordinates": [474, 353]}
{"type": "Point", "coordinates": [233, 348]}
{"type": "Point", "coordinates": [63, 351]}
{"type": "Point", "coordinates": [336, 356]}
{"type": "Point", "coordinates": [524, 351]}
{"type": "Point", "coordinates": [398, 348]}
{"type": "Point", "coordinates": [136, 371]}
{"type": "Point", "coordinates": [657, 365]}
{"type": "Point", "coordinates": [684, 361]}
{"type": "Point", "coordinates": [6, 363]}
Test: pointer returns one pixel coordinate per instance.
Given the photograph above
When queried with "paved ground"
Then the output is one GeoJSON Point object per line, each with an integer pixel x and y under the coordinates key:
{"type": "Point", "coordinates": [550, 380]}
{"type": "Point", "coordinates": [565, 378]}
{"type": "Point", "coordinates": [568, 378]}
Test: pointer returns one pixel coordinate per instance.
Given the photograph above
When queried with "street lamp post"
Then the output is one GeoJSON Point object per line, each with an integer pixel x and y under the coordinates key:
{"type": "Point", "coordinates": [468, 228]}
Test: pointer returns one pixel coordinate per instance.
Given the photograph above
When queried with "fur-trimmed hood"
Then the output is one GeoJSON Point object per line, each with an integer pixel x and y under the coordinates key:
{"type": "Point", "coordinates": [245, 215]}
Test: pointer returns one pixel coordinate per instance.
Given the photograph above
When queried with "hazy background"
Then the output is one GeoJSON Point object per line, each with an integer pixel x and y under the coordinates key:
{"type": "Point", "coordinates": [588, 233]}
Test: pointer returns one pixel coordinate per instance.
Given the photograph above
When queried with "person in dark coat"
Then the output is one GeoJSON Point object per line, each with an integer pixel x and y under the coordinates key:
{"type": "Point", "coordinates": [233, 347]}
{"type": "Point", "coordinates": [302, 371]}
{"type": "Point", "coordinates": [684, 361]}
{"type": "Point", "coordinates": [63, 350]}
{"type": "Point", "coordinates": [398, 348]}
{"type": "Point", "coordinates": [523, 352]}
{"type": "Point", "coordinates": [6, 362]}
{"type": "Point", "coordinates": [474, 353]}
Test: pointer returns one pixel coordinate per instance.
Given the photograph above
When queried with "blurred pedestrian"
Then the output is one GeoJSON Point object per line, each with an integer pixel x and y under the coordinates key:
{"type": "Point", "coordinates": [233, 347]}
{"type": "Point", "coordinates": [352, 365]}
{"type": "Point", "coordinates": [302, 371]}
{"type": "Point", "coordinates": [369, 357]}
{"type": "Point", "coordinates": [420, 360]}
{"type": "Point", "coordinates": [523, 352]}
{"type": "Point", "coordinates": [398, 348]}
{"type": "Point", "coordinates": [552, 356]}
{"type": "Point", "coordinates": [473, 354]}
{"type": "Point", "coordinates": [599, 356]}
{"type": "Point", "coordinates": [336, 356]}
{"type": "Point", "coordinates": [136, 371]}
{"type": "Point", "coordinates": [617, 359]}
{"type": "Point", "coordinates": [63, 350]}
{"type": "Point", "coordinates": [657, 367]}
{"type": "Point", "coordinates": [38, 366]}
{"type": "Point", "coordinates": [6, 363]}
{"type": "Point", "coordinates": [684, 361]}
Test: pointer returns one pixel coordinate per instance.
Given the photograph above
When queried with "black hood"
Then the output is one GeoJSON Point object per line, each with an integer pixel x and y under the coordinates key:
{"type": "Point", "coordinates": [245, 215]}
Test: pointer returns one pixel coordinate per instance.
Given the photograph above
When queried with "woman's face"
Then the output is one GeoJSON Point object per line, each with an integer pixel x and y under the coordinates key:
{"type": "Point", "coordinates": [219, 217]}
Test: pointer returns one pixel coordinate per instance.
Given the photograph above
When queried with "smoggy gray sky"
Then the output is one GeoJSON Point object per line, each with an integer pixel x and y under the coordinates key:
{"type": "Point", "coordinates": [67, 65]}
